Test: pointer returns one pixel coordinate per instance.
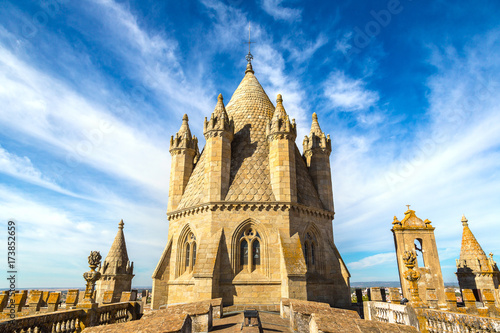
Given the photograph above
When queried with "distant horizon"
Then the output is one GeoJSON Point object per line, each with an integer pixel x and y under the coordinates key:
{"type": "Point", "coordinates": [150, 287]}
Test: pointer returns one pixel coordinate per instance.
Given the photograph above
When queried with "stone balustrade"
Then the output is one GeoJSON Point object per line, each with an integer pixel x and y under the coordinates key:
{"type": "Point", "coordinates": [39, 311]}
{"type": "Point", "coordinates": [437, 321]}
{"type": "Point", "coordinates": [468, 319]}
{"type": "Point", "coordinates": [34, 302]}
{"type": "Point", "coordinates": [60, 322]}
{"type": "Point", "coordinates": [390, 313]}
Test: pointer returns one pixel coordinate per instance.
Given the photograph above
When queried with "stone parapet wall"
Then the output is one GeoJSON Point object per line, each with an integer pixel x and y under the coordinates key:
{"type": "Point", "coordinates": [390, 313]}
{"type": "Point", "coordinates": [42, 311]}
{"type": "Point", "coordinates": [437, 321]}
{"type": "Point", "coordinates": [432, 320]}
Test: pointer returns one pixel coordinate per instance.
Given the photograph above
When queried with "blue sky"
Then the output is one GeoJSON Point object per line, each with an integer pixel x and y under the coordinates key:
{"type": "Point", "coordinates": [92, 90]}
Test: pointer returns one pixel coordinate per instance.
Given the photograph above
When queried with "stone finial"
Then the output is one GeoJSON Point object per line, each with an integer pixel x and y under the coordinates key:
{"type": "Point", "coordinates": [120, 225]}
{"type": "Point", "coordinates": [410, 260]}
{"type": "Point", "coordinates": [396, 221]}
{"type": "Point", "coordinates": [317, 139]}
{"type": "Point", "coordinates": [249, 68]}
{"type": "Point", "coordinates": [280, 126]}
{"type": "Point", "coordinates": [183, 138]}
{"type": "Point", "coordinates": [219, 122]}
{"type": "Point", "coordinates": [91, 277]}
{"type": "Point", "coordinates": [464, 221]}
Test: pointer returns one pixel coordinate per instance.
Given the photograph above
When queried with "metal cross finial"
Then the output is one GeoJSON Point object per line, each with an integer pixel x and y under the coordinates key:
{"type": "Point", "coordinates": [249, 56]}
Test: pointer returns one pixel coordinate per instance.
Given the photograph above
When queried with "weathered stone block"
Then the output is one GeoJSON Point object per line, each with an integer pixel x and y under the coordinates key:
{"type": "Point", "coordinates": [129, 296]}
{"type": "Point", "coordinates": [374, 294]}
{"type": "Point", "coordinates": [4, 299]}
{"type": "Point", "coordinates": [451, 299]}
{"type": "Point", "coordinates": [20, 300]}
{"type": "Point", "coordinates": [394, 295]}
{"type": "Point", "coordinates": [34, 301]}
{"type": "Point", "coordinates": [72, 298]}
{"type": "Point", "coordinates": [53, 301]}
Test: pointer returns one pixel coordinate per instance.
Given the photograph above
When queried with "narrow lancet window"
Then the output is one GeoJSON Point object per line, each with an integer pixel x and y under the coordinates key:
{"type": "Point", "coordinates": [312, 254]}
{"type": "Point", "coordinates": [244, 253]}
{"type": "Point", "coordinates": [194, 254]}
{"type": "Point", "coordinates": [187, 255]}
{"type": "Point", "coordinates": [256, 252]}
{"type": "Point", "coordinates": [306, 253]}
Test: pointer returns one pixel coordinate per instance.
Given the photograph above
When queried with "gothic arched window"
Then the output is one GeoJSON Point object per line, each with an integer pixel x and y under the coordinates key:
{"type": "Point", "coordinates": [310, 245]}
{"type": "Point", "coordinates": [250, 253]}
{"type": "Point", "coordinates": [189, 252]}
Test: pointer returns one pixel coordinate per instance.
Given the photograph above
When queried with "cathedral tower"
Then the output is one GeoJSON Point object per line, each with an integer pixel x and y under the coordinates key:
{"type": "Point", "coordinates": [116, 270]}
{"type": "Point", "coordinates": [248, 221]}
{"type": "Point", "coordinates": [413, 234]}
{"type": "Point", "coordinates": [474, 270]}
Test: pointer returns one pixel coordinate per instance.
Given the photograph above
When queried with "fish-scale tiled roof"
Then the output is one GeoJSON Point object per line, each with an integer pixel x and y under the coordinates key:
{"type": "Point", "coordinates": [250, 108]}
{"type": "Point", "coordinates": [250, 180]}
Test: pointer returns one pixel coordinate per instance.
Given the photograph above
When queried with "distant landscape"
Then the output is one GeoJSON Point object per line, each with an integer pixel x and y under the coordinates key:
{"type": "Point", "coordinates": [390, 284]}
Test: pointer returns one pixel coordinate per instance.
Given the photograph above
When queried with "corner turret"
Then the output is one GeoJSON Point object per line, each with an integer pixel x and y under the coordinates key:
{"type": "Point", "coordinates": [184, 151]}
{"type": "Point", "coordinates": [317, 148]}
{"type": "Point", "coordinates": [281, 134]}
{"type": "Point", "coordinates": [219, 133]}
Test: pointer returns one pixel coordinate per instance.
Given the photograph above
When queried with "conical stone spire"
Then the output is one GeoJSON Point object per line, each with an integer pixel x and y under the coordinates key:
{"type": "Point", "coordinates": [472, 255]}
{"type": "Point", "coordinates": [315, 129]}
{"type": "Point", "coordinates": [117, 261]}
{"type": "Point", "coordinates": [183, 138]}
{"type": "Point", "coordinates": [219, 121]}
{"type": "Point", "coordinates": [116, 270]}
{"type": "Point", "coordinates": [317, 140]}
{"type": "Point", "coordinates": [280, 123]}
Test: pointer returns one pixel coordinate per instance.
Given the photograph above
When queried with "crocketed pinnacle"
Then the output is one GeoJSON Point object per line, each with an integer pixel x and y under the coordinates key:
{"type": "Point", "coordinates": [280, 110]}
{"type": "Point", "coordinates": [316, 138]}
{"type": "Point", "coordinates": [219, 121]}
{"type": "Point", "coordinates": [184, 130]}
{"type": "Point", "coordinates": [117, 261]}
{"type": "Point", "coordinates": [183, 138]}
{"type": "Point", "coordinates": [280, 122]}
{"type": "Point", "coordinates": [315, 126]}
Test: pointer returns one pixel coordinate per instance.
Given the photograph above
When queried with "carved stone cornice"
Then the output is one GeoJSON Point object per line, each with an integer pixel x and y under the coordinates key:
{"type": "Point", "coordinates": [281, 135]}
{"type": "Point", "coordinates": [218, 133]}
{"type": "Point", "coordinates": [182, 151]}
{"type": "Point", "coordinates": [249, 206]}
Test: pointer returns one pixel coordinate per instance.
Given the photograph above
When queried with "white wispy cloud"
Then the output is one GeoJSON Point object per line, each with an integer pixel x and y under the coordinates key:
{"type": "Point", "coordinates": [276, 9]}
{"type": "Point", "coordinates": [303, 52]}
{"type": "Point", "coordinates": [22, 168]}
{"type": "Point", "coordinates": [373, 260]}
{"type": "Point", "coordinates": [347, 94]}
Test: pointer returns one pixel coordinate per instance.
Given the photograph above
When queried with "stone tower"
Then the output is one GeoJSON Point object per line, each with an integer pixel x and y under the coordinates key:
{"type": "Point", "coordinates": [474, 270]}
{"type": "Point", "coordinates": [250, 219]}
{"type": "Point", "coordinates": [116, 270]}
{"type": "Point", "coordinates": [413, 234]}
